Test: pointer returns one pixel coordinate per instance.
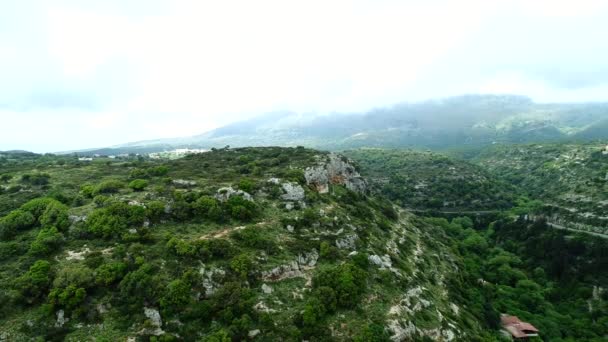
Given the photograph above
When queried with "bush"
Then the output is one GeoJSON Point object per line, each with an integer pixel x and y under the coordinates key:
{"type": "Point", "coordinates": [17, 220]}
{"type": "Point", "coordinates": [114, 219]}
{"type": "Point", "coordinates": [36, 178]}
{"type": "Point", "coordinates": [69, 297]}
{"type": "Point", "coordinates": [55, 215]}
{"type": "Point", "coordinates": [155, 210]}
{"type": "Point", "coordinates": [347, 280]}
{"type": "Point", "coordinates": [209, 208]}
{"type": "Point", "coordinates": [46, 241]}
{"type": "Point", "coordinates": [242, 265]}
{"type": "Point", "coordinates": [138, 173]}
{"type": "Point", "coordinates": [109, 187]}
{"type": "Point", "coordinates": [158, 171]}
{"type": "Point", "coordinates": [176, 295]}
{"type": "Point", "coordinates": [138, 184]}
{"type": "Point", "coordinates": [251, 237]}
{"type": "Point", "coordinates": [37, 206]}
{"type": "Point", "coordinates": [247, 185]}
{"type": "Point", "coordinates": [110, 273]}
{"type": "Point", "coordinates": [33, 284]}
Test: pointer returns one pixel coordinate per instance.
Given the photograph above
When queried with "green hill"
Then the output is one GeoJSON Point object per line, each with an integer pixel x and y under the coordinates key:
{"type": "Point", "coordinates": [429, 180]}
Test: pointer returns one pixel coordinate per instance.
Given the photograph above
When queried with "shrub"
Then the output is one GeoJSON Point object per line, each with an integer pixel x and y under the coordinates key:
{"type": "Point", "coordinates": [242, 265]}
{"type": "Point", "coordinates": [109, 187]}
{"type": "Point", "coordinates": [32, 284]}
{"type": "Point", "coordinates": [247, 185]}
{"type": "Point", "coordinates": [138, 184]}
{"type": "Point", "coordinates": [347, 280]}
{"type": "Point", "coordinates": [36, 178]}
{"type": "Point", "coordinates": [158, 171]}
{"type": "Point", "coordinates": [17, 220]}
{"type": "Point", "coordinates": [46, 241]}
{"type": "Point", "coordinates": [138, 173]}
{"type": "Point", "coordinates": [69, 297]}
{"type": "Point", "coordinates": [37, 206]}
{"type": "Point", "coordinates": [176, 295]}
{"type": "Point", "coordinates": [155, 210]}
{"type": "Point", "coordinates": [251, 237]}
{"type": "Point", "coordinates": [55, 215]}
{"type": "Point", "coordinates": [110, 273]}
{"type": "Point", "coordinates": [209, 208]}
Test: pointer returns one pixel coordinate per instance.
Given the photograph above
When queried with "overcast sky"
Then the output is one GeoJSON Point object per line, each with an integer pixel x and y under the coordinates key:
{"type": "Point", "coordinates": [79, 74]}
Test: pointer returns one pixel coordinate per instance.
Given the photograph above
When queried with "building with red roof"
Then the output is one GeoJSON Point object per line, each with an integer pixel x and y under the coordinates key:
{"type": "Point", "coordinates": [517, 329]}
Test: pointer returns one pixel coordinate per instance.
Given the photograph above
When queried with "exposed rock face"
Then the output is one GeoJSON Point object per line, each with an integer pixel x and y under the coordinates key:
{"type": "Point", "coordinates": [223, 194]}
{"type": "Point", "coordinates": [266, 289]}
{"type": "Point", "coordinates": [293, 192]}
{"type": "Point", "coordinates": [210, 278]}
{"type": "Point", "coordinates": [154, 316]}
{"type": "Point", "coordinates": [347, 242]}
{"type": "Point", "coordinates": [184, 182]}
{"type": "Point", "coordinates": [334, 170]}
{"type": "Point", "coordinates": [61, 319]}
{"type": "Point", "coordinates": [294, 269]}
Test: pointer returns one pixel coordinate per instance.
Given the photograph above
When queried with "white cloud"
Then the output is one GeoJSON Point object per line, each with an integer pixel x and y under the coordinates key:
{"type": "Point", "coordinates": [174, 68]}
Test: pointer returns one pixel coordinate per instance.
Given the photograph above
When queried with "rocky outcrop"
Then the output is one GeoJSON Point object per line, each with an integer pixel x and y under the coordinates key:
{"type": "Point", "coordinates": [155, 321]}
{"type": "Point", "coordinates": [223, 194]}
{"type": "Point", "coordinates": [347, 242]}
{"type": "Point", "coordinates": [292, 192]}
{"type": "Point", "coordinates": [294, 269]}
{"type": "Point", "coordinates": [335, 169]}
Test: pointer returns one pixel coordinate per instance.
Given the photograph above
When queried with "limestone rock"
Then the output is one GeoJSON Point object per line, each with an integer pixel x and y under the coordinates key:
{"type": "Point", "coordinates": [334, 170]}
{"type": "Point", "coordinates": [61, 319]}
{"type": "Point", "coordinates": [154, 316]}
{"type": "Point", "coordinates": [293, 192]}
{"type": "Point", "coordinates": [223, 194]}
{"type": "Point", "coordinates": [347, 242]}
{"type": "Point", "coordinates": [266, 289]}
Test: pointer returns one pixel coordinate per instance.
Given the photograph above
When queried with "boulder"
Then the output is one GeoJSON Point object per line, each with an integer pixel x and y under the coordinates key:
{"type": "Point", "coordinates": [292, 192]}
{"type": "Point", "coordinates": [335, 169]}
{"type": "Point", "coordinates": [223, 194]}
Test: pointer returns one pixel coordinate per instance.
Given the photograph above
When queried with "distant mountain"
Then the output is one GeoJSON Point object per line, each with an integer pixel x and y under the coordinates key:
{"type": "Point", "coordinates": [471, 120]}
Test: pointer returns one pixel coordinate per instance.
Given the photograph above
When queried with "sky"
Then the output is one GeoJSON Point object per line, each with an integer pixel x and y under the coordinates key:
{"type": "Point", "coordinates": [83, 73]}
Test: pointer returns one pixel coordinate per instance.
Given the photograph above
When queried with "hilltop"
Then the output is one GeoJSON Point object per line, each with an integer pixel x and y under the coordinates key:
{"type": "Point", "coordinates": [471, 121]}
{"type": "Point", "coordinates": [267, 243]}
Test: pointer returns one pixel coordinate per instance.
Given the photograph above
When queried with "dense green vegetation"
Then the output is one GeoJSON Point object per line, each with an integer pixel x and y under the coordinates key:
{"type": "Point", "coordinates": [428, 180]}
{"type": "Point", "coordinates": [538, 273]}
{"type": "Point", "coordinates": [212, 247]}
{"type": "Point", "coordinates": [571, 179]}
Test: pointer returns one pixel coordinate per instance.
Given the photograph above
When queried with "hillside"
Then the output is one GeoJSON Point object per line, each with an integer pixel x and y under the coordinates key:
{"type": "Point", "coordinates": [429, 180]}
{"type": "Point", "coordinates": [264, 244]}
{"type": "Point", "coordinates": [471, 121]}
{"type": "Point", "coordinates": [571, 179]}
{"type": "Point", "coordinates": [267, 244]}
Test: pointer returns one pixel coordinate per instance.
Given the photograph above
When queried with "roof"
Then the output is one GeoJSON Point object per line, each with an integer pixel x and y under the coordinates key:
{"type": "Point", "coordinates": [516, 327]}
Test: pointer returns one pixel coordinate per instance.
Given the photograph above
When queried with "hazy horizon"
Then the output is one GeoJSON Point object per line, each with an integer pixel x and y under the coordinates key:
{"type": "Point", "coordinates": [78, 75]}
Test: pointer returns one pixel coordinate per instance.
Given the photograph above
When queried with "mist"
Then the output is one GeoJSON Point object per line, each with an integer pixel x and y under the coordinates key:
{"type": "Point", "coordinates": [78, 75]}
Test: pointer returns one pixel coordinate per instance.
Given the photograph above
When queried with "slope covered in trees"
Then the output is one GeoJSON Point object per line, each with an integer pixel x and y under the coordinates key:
{"type": "Point", "coordinates": [272, 244]}
{"type": "Point", "coordinates": [570, 179]}
{"type": "Point", "coordinates": [428, 180]}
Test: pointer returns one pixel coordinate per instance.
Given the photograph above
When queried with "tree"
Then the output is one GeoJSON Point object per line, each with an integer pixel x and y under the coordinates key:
{"type": "Point", "coordinates": [242, 265]}
{"type": "Point", "coordinates": [46, 241]}
{"type": "Point", "coordinates": [177, 294]}
{"type": "Point", "coordinates": [16, 220]}
{"type": "Point", "coordinates": [110, 273]}
{"type": "Point", "coordinates": [138, 184]}
{"type": "Point", "coordinates": [35, 281]}
{"type": "Point", "coordinates": [55, 215]}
